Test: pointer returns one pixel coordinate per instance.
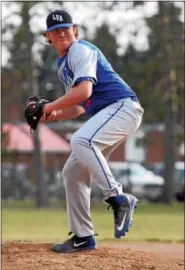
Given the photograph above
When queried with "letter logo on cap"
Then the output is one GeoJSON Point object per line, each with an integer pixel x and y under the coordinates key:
{"type": "Point", "coordinates": [57, 17]}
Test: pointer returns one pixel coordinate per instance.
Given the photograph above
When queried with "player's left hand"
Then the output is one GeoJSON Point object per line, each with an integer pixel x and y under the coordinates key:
{"type": "Point", "coordinates": [34, 110]}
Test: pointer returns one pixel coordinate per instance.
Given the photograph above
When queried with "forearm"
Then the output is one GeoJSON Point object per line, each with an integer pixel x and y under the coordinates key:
{"type": "Point", "coordinates": [70, 113]}
{"type": "Point", "coordinates": [74, 97]}
{"type": "Point", "coordinates": [65, 114]}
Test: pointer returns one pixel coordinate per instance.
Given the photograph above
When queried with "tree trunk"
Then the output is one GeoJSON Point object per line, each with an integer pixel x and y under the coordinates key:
{"type": "Point", "coordinates": [170, 91]}
{"type": "Point", "coordinates": [41, 187]}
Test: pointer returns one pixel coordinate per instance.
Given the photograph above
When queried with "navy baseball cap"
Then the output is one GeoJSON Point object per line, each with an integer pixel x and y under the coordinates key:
{"type": "Point", "coordinates": [58, 19]}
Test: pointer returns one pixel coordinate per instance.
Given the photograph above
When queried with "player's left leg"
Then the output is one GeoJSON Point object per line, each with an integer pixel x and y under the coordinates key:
{"type": "Point", "coordinates": [105, 129]}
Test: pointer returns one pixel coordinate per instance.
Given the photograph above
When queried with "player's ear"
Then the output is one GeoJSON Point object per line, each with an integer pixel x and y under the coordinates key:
{"type": "Point", "coordinates": [76, 30]}
{"type": "Point", "coordinates": [46, 35]}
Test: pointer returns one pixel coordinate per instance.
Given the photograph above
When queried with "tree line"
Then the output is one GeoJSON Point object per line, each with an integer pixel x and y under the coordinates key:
{"type": "Point", "coordinates": [145, 71]}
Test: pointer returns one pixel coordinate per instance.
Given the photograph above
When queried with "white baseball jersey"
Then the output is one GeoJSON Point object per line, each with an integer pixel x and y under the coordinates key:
{"type": "Point", "coordinates": [84, 61]}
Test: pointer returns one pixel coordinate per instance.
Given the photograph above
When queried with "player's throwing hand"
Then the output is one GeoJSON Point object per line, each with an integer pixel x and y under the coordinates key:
{"type": "Point", "coordinates": [51, 116]}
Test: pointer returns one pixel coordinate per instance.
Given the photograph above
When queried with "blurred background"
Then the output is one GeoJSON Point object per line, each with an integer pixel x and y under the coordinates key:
{"type": "Point", "coordinates": [144, 41]}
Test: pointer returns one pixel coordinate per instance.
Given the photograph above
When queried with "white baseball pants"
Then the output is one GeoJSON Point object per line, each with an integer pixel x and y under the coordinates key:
{"type": "Point", "coordinates": [101, 133]}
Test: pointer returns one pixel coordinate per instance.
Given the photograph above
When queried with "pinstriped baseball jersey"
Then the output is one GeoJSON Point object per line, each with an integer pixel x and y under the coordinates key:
{"type": "Point", "coordinates": [84, 61]}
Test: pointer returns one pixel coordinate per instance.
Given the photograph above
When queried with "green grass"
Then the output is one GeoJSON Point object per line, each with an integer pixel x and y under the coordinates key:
{"type": "Point", "coordinates": [152, 222]}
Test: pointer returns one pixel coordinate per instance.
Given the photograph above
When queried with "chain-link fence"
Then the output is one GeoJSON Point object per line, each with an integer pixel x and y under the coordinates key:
{"type": "Point", "coordinates": [18, 182]}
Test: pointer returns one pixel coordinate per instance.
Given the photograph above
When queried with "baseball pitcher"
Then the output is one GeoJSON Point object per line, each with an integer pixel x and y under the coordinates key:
{"type": "Point", "coordinates": [94, 88]}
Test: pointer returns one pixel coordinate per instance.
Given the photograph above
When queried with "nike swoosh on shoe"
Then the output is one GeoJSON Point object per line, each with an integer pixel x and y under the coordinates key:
{"type": "Point", "coordinates": [80, 244]}
{"type": "Point", "coordinates": [120, 227]}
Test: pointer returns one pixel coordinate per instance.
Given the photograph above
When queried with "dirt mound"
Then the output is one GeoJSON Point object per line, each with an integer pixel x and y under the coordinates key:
{"type": "Point", "coordinates": [38, 256]}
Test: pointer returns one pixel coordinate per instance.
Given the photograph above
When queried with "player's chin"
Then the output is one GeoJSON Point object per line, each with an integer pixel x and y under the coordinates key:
{"type": "Point", "coordinates": [64, 44]}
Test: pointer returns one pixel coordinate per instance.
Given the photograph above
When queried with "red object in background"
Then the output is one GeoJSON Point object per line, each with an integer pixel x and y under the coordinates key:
{"type": "Point", "coordinates": [20, 139]}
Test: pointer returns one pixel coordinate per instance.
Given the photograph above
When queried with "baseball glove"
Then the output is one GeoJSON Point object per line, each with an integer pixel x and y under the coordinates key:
{"type": "Point", "coordinates": [33, 110]}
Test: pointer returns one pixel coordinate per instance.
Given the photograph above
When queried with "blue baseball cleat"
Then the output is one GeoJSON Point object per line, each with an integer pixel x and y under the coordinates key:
{"type": "Point", "coordinates": [75, 244]}
{"type": "Point", "coordinates": [123, 207]}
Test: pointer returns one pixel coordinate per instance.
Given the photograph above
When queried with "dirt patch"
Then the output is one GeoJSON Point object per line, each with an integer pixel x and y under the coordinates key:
{"type": "Point", "coordinates": [108, 256]}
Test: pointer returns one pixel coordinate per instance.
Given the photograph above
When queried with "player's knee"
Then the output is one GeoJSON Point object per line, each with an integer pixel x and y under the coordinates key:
{"type": "Point", "coordinates": [77, 141]}
{"type": "Point", "coordinates": [66, 174]}
{"type": "Point", "coordinates": [74, 141]}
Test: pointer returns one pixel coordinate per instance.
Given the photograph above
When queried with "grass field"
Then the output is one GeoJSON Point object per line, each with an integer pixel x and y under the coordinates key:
{"type": "Point", "coordinates": [152, 222]}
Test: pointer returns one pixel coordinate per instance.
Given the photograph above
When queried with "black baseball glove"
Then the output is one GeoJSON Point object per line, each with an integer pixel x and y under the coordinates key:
{"type": "Point", "coordinates": [33, 110]}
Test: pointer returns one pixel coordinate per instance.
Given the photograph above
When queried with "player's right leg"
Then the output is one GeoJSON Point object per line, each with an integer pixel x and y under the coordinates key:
{"type": "Point", "coordinates": [77, 187]}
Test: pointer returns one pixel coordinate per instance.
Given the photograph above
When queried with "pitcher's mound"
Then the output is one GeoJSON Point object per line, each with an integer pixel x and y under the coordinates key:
{"type": "Point", "coordinates": [38, 256]}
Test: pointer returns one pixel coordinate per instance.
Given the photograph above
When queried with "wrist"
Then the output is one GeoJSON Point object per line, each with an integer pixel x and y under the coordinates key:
{"type": "Point", "coordinates": [47, 108]}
